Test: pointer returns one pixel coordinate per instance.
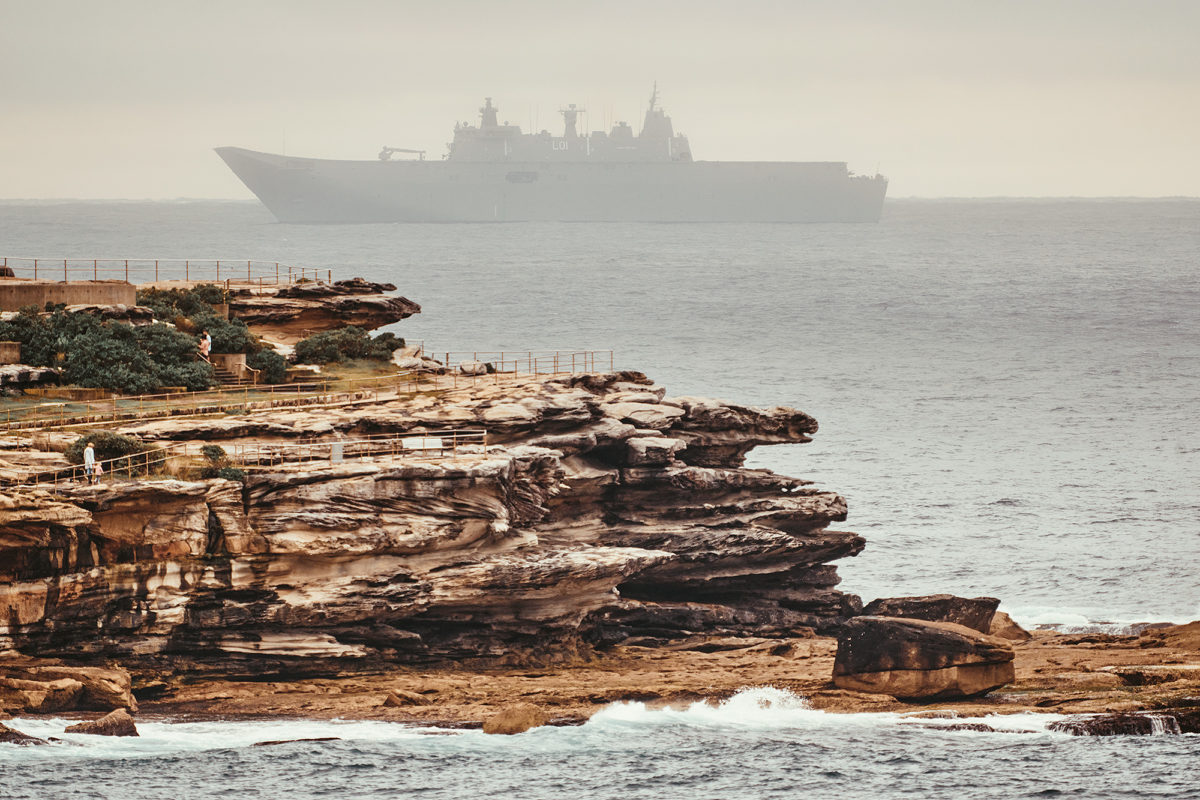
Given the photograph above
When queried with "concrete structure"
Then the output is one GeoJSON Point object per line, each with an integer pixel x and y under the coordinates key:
{"type": "Point", "coordinates": [10, 352]}
{"type": "Point", "coordinates": [16, 294]}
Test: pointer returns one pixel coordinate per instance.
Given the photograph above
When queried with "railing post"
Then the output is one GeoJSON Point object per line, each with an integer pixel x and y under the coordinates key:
{"type": "Point", "coordinates": [127, 270]}
{"type": "Point", "coordinates": [186, 279]}
{"type": "Point", "coordinates": [218, 270]}
{"type": "Point", "coordinates": [95, 270]}
{"type": "Point", "coordinates": [64, 270]}
{"type": "Point", "coordinates": [156, 270]}
{"type": "Point", "coordinates": [35, 269]}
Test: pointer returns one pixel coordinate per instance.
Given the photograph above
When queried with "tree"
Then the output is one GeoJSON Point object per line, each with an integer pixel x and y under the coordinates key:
{"type": "Point", "coordinates": [349, 342]}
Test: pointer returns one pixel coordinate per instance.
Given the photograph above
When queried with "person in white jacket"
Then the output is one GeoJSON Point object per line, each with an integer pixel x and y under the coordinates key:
{"type": "Point", "coordinates": [89, 463]}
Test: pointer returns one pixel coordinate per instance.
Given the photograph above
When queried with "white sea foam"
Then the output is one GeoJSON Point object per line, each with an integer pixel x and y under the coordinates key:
{"type": "Point", "coordinates": [157, 738]}
{"type": "Point", "coordinates": [1065, 620]}
{"type": "Point", "coordinates": [769, 708]}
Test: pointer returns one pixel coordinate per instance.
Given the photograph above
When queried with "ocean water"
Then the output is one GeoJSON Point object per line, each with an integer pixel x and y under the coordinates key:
{"type": "Point", "coordinates": [1008, 394]}
{"type": "Point", "coordinates": [761, 743]}
{"type": "Point", "coordinates": [1008, 391]}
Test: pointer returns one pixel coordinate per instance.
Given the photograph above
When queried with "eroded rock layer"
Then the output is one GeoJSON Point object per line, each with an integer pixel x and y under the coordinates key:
{"type": "Point", "coordinates": [600, 510]}
{"type": "Point", "coordinates": [292, 312]}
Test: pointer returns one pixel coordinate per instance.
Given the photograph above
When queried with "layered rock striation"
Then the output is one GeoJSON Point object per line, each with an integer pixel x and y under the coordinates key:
{"type": "Point", "coordinates": [290, 313]}
{"type": "Point", "coordinates": [600, 511]}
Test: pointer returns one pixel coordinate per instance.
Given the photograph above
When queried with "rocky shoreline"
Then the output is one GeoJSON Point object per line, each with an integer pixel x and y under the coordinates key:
{"type": "Point", "coordinates": [604, 542]}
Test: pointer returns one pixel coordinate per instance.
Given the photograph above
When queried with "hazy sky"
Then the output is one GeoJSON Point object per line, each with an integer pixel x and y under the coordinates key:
{"type": "Point", "coordinates": [127, 98]}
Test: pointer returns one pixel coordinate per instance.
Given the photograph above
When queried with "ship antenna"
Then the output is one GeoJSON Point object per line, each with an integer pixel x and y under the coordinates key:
{"type": "Point", "coordinates": [654, 96]}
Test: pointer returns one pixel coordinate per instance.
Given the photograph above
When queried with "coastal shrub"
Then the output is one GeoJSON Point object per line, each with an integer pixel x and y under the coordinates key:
{"type": "Point", "coordinates": [135, 360]}
{"type": "Point", "coordinates": [168, 304]}
{"type": "Point", "coordinates": [108, 445]}
{"type": "Point", "coordinates": [228, 335]}
{"type": "Point", "coordinates": [272, 365]}
{"type": "Point", "coordinates": [108, 354]}
{"type": "Point", "coordinates": [191, 311]}
{"type": "Point", "coordinates": [346, 343]}
{"type": "Point", "coordinates": [218, 464]}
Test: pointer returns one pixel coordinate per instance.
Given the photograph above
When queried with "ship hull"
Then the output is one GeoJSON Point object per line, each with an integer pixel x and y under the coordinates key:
{"type": "Point", "coordinates": [323, 191]}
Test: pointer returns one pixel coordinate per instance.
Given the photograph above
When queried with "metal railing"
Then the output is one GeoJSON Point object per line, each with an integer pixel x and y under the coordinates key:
{"type": "Point", "coordinates": [426, 444]}
{"type": "Point", "coordinates": [530, 362]}
{"type": "Point", "coordinates": [125, 408]}
{"type": "Point", "coordinates": [131, 466]}
{"type": "Point", "coordinates": [466, 367]}
{"type": "Point", "coordinates": [498, 365]}
{"type": "Point", "coordinates": [153, 270]}
{"type": "Point", "coordinates": [439, 444]}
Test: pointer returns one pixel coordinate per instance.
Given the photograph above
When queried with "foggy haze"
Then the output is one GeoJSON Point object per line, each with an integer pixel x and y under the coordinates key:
{"type": "Point", "coordinates": [1070, 98]}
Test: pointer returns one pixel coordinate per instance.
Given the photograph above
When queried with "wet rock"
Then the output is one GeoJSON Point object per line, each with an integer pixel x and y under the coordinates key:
{"type": "Point", "coordinates": [912, 659]}
{"type": "Point", "coordinates": [1142, 723]}
{"type": "Point", "coordinates": [10, 736]}
{"type": "Point", "coordinates": [115, 723]}
{"type": "Point", "coordinates": [273, 742]}
{"type": "Point", "coordinates": [971, 612]}
{"type": "Point", "coordinates": [515, 718]}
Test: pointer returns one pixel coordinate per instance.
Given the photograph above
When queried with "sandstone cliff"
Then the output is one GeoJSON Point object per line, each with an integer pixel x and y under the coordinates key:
{"type": "Point", "coordinates": [292, 312]}
{"type": "Point", "coordinates": [600, 511]}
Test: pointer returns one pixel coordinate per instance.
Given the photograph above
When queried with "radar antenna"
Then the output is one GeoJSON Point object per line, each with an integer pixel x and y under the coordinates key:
{"type": "Point", "coordinates": [570, 114]}
{"type": "Point", "coordinates": [654, 96]}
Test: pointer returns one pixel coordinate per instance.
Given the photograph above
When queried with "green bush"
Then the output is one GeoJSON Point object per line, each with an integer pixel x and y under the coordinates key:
{"type": "Point", "coordinates": [108, 355]}
{"type": "Point", "coordinates": [272, 365]}
{"type": "Point", "coordinates": [108, 445]}
{"type": "Point", "coordinates": [218, 464]}
{"type": "Point", "coordinates": [346, 343]}
{"type": "Point", "coordinates": [230, 474]}
{"type": "Point", "coordinates": [228, 335]}
{"type": "Point", "coordinates": [168, 304]}
{"type": "Point", "coordinates": [214, 453]}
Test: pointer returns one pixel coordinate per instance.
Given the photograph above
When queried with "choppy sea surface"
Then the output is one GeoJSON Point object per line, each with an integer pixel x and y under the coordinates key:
{"type": "Point", "coordinates": [1008, 393]}
{"type": "Point", "coordinates": [761, 743]}
{"type": "Point", "coordinates": [1008, 390]}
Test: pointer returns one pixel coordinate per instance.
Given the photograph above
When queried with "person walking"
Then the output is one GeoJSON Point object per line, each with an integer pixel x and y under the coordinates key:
{"type": "Point", "coordinates": [205, 344]}
{"type": "Point", "coordinates": [89, 463]}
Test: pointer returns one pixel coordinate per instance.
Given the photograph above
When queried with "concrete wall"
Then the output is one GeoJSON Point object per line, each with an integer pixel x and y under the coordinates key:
{"type": "Point", "coordinates": [10, 352]}
{"type": "Point", "coordinates": [17, 294]}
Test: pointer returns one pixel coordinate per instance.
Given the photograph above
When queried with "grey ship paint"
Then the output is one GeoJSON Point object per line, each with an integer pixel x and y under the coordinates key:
{"type": "Point", "coordinates": [495, 173]}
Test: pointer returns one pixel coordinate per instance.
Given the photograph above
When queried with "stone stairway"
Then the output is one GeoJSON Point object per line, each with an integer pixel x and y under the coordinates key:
{"type": "Point", "coordinates": [229, 378]}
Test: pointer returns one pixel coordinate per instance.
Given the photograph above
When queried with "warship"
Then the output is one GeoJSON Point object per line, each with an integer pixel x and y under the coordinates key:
{"type": "Point", "coordinates": [493, 172]}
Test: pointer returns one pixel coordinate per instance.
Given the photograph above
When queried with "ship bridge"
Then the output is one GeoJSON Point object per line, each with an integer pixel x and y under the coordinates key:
{"type": "Point", "coordinates": [490, 141]}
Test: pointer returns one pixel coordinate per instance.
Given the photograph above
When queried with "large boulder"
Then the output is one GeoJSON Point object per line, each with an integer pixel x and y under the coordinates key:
{"type": "Point", "coordinates": [973, 612]}
{"type": "Point", "coordinates": [515, 718]}
{"type": "Point", "coordinates": [114, 723]}
{"type": "Point", "coordinates": [913, 659]}
{"type": "Point", "coordinates": [39, 696]}
{"type": "Point", "coordinates": [94, 688]}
